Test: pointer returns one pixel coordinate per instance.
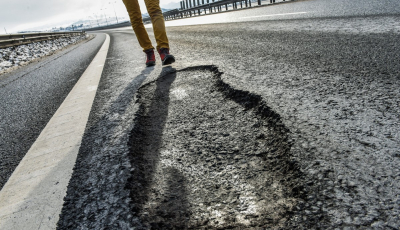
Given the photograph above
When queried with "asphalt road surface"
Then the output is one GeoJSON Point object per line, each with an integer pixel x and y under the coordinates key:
{"type": "Point", "coordinates": [31, 95]}
{"type": "Point", "coordinates": [290, 121]}
{"type": "Point", "coordinates": [301, 9]}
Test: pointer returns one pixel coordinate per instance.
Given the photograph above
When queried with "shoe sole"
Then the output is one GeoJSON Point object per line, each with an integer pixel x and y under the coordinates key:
{"type": "Point", "coordinates": [169, 59]}
{"type": "Point", "coordinates": [150, 63]}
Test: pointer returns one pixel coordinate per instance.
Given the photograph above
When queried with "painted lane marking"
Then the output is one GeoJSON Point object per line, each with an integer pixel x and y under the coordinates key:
{"type": "Point", "coordinates": [33, 196]}
{"type": "Point", "coordinates": [92, 87]}
{"type": "Point", "coordinates": [273, 15]}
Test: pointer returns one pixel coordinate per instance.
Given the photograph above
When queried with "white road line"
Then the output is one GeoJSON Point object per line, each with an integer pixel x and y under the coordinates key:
{"type": "Point", "coordinates": [273, 15]}
{"type": "Point", "coordinates": [33, 196]}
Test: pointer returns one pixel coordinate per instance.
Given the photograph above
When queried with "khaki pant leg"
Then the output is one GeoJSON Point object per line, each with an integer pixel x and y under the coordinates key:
{"type": "Point", "coordinates": [132, 6]}
{"type": "Point", "coordinates": [153, 8]}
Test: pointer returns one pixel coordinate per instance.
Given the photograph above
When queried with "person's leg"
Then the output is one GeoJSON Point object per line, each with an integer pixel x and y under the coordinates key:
{"type": "Point", "coordinates": [157, 19]}
{"type": "Point", "coordinates": [132, 6]}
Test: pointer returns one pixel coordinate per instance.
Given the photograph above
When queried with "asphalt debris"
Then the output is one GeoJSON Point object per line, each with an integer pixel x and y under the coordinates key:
{"type": "Point", "coordinates": [205, 155]}
{"type": "Point", "coordinates": [183, 151]}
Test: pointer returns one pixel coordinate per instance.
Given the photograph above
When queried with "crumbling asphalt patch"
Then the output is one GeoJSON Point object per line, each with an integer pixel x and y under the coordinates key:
{"type": "Point", "coordinates": [205, 155]}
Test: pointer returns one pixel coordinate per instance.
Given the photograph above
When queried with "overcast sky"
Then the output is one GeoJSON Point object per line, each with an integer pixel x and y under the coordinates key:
{"type": "Point", "coordinates": [19, 15]}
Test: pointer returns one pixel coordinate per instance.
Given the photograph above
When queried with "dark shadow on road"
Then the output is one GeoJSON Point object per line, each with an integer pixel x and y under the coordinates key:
{"type": "Point", "coordinates": [82, 204]}
{"type": "Point", "coordinates": [172, 212]}
{"type": "Point", "coordinates": [128, 94]}
{"type": "Point", "coordinates": [145, 140]}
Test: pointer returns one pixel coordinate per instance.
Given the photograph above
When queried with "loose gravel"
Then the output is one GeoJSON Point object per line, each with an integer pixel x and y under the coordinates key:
{"type": "Point", "coordinates": [13, 57]}
{"type": "Point", "coordinates": [205, 155]}
{"type": "Point", "coordinates": [199, 154]}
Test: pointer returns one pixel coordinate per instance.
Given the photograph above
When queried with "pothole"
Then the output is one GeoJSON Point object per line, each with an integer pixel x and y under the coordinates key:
{"type": "Point", "coordinates": [205, 155]}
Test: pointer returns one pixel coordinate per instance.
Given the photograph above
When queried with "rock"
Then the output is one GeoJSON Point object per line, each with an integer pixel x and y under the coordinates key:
{"type": "Point", "coordinates": [16, 56]}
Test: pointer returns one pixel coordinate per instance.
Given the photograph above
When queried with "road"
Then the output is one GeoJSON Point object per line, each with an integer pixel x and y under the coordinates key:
{"type": "Point", "coordinates": [31, 95]}
{"type": "Point", "coordinates": [302, 9]}
{"type": "Point", "coordinates": [280, 121]}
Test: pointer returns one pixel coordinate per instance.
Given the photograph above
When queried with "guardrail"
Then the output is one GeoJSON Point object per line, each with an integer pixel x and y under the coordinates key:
{"type": "Point", "coordinates": [10, 40]}
{"type": "Point", "coordinates": [190, 8]}
{"type": "Point", "coordinates": [111, 26]}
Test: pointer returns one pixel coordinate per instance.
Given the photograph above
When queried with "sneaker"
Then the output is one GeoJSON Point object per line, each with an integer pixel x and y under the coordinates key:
{"type": "Point", "coordinates": [166, 58]}
{"type": "Point", "coordinates": [150, 58]}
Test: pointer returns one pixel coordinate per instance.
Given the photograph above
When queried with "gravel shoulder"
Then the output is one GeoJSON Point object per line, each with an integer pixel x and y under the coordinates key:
{"type": "Point", "coordinates": [15, 57]}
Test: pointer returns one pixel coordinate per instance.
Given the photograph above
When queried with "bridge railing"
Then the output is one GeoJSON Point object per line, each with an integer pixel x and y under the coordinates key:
{"type": "Point", "coordinates": [10, 40]}
{"type": "Point", "coordinates": [191, 8]}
